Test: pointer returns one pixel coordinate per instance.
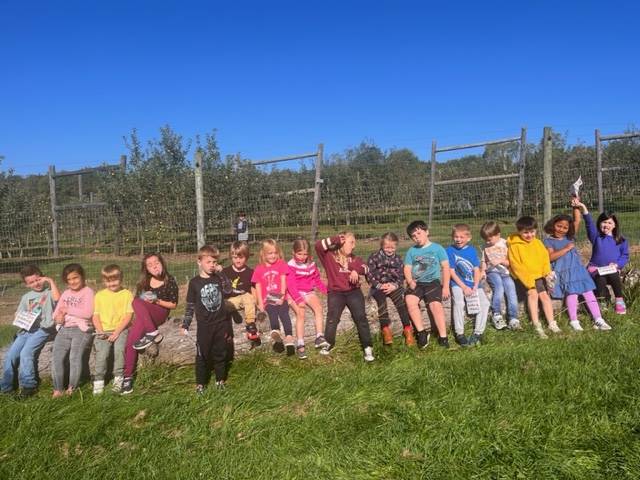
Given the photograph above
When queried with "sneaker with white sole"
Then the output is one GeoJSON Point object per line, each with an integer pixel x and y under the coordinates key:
{"type": "Point", "coordinates": [575, 324]}
{"type": "Point", "coordinates": [368, 354]}
{"type": "Point", "coordinates": [498, 322]}
{"type": "Point", "coordinates": [98, 387]}
{"type": "Point", "coordinates": [117, 384]}
{"type": "Point", "coordinates": [325, 351]}
{"type": "Point", "coordinates": [620, 307]}
{"type": "Point", "coordinates": [600, 324]}
{"type": "Point", "coordinates": [321, 342]}
{"type": "Point", "coordinates": [277, 343]}
{"type": "Point", "coordinates": [514, 324]}
{"type": "Point", "coordinates": [540, 331]}
{"type": "Point", "coordinates": [553, 326]}
{"type": "Point", "coordinates": [127, 386]}
{"type": "Point", "coordinates": [146, 341]}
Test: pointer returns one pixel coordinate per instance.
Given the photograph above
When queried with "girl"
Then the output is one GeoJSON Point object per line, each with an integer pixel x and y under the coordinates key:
{"type": "Point", "coordinates": [156, 296]}
{"type": "Point", "coordinates": [343, 273]}
{"type": "Point", "coordinates": [610, 249]}
{"type": "Point", "coordinates": [73, 313]}
{"type": "Point", "coordinates": [572, 279]}
{"type": "Point", "coordinates": [304, 278]}
{"type": "Point", "coordinates": [270, 278]}
{"type": "Point", "coordinates": [386, 277]}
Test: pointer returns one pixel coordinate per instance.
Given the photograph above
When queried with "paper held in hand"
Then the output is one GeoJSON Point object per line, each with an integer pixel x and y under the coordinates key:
{"type": "Point", "coordinates": [575, 188]}
{"type": "Point", "coordinates": [608, 270]}
{"type": "Point", "coordinates": [25, 319]}
{"type": "Point", "coordinates": [473, 304]}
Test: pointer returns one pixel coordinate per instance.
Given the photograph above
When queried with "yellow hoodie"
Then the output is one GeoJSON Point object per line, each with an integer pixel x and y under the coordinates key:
{"type": "Point", "coordinates": [528, 261]}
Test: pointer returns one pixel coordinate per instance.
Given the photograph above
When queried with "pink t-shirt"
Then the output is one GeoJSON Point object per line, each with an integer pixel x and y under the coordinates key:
{"type": "Point", "coordinates": [79, 306]}
{"type": "Point", "coordinates": [269, 277]}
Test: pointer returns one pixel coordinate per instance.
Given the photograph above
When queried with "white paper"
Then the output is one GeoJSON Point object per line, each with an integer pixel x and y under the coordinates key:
{"type": "Point", "coordinates": [575, 188]}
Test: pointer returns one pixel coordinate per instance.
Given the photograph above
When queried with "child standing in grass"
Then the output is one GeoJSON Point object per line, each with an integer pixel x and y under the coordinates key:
{"type": "Point", "coordinates": [111, 317]}
{"type": "Point", "coordinates": [20, 360]}
{"type": "Point", "coordinates": [495, 264]}
{"type": "Point", "coordinates": [343, 270]}
{"type": "Point", "coordinates": [386, 277]}
{"type": "Point", "coordinates": [214, 337]}
{"type": "Point", "coordinates": [156, 296]}
{"type": "Point", "coordinates": [610, 249]}
{"type": "Point", "coordinates": [530, 265]}
{"type": "Point", "coordinates": [241, 295]}
{"type": "Point", "coordinates": [270, 279]}
{"type": "Point", "coordinates": [465, 284]}
{"type": "Point", "coordinates": [304, 279]}
{"type": "Point", "coordinates": [426, 268]}
{"type": "Point", "coordinates": [73, 313]}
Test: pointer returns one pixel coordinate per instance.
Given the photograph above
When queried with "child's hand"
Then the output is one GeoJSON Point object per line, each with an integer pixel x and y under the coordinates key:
{"type": "Point", "coordinates": [446, 293]}
{"type": "Point", "coordinates": [184, 331]}
{"type": "Point", "coordinates": [387, 288]}
{"type": "Point", "coordinates": [354, 277]}
{"type": "Point", "coordinates": [467, 291]}
{"type": "Point", "coordinates": [570, 246]}
{"type": "Point", "coordinates": [279, 301]}
{"type": "Point", "coordinates": [218, 268]}
{"type": "Point", "coordinates": [411, 284]}
{"type": "Point", "coordinates": [113, 337]}
{"type": "Point", "coordinates": [302, 305]}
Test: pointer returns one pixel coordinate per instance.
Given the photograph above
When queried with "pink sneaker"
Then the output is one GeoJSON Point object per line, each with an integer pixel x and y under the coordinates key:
{"type": "Point", "coordinates": [621, 308]}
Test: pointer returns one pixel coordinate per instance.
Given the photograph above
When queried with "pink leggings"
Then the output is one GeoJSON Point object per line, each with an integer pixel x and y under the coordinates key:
{"type": "Point", "coordinates": [589, 299]}
{"type": "Point", "coordinates": [147, 318]}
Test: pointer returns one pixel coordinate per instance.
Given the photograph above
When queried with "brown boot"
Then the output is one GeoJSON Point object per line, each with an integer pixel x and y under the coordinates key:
{"type": "Point", "coordinates": [409, 339]}
{"type": "Point", "coordinates": [387, 335]}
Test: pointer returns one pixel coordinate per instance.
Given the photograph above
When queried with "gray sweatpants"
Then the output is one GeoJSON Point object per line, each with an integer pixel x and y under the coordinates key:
{"type": "Point", "coordinates": [103, 349]}
{"type": "Point", "coordinates": [457, 311]}
{"type": "Point", "coordinates": [70, 342]}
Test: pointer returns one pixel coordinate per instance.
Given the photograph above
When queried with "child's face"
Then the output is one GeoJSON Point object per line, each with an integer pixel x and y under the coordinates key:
{"type": "Point", "coordinates": [560, 228]}
{"type": "Point", "coordinates": [420, 237]}
{"type": "Point", "coordinates": [75, 281]}
{"type": "Point", "coordinates": [301, 257]}
{"type": "Point", "coordinates": [34, 282]}
{"type": "Point", "coordinates": [113, 284]}
{"type": "Point", "coordinates": [528, 235]}
{"type": "Point", "coordinates": [271, 254]}
{"type": "Point", "coordinates": [153, 266]}
{"type": "Point", "coordinates": [607, 226]}
{"type": "Point", "coordinates": [238, 261]}
{"type": "Point", "coordinates": [208, 264]}
{"type": "Point", "coordinates": [349, 245]}
{"type": "Point", "coordinates": [389, 247]}
{"type": "Point", "coordinates": [460, 238]}
{"type": "Point", "coordinates": [493, 239]}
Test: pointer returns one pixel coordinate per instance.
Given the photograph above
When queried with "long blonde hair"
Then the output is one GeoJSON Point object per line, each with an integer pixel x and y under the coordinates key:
{"type": "Point", "coordinates": [271, 243]}
{"type": "Point", "coordinates": [339, 255]}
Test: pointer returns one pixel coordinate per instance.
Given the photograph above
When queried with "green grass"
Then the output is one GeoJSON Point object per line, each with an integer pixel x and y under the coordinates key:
{"type": "Point", "coordinates": [7, 333]}
{"type": "Point", "coordinates": [516, 407]}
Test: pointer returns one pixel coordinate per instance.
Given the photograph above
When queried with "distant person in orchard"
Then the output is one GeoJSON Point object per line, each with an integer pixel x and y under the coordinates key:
{"type": "Point", "coordinates": [241, 228]}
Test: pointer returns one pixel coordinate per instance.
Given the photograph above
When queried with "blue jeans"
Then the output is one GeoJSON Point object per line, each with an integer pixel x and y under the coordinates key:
{"type": "Point", "coordinates": [501, 285]}
{"type": "Point", "coordinates": [21, 358]}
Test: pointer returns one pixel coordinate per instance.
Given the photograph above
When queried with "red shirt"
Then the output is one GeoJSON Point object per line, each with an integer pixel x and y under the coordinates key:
{"type": "Point", "coordinates": [338, 275]}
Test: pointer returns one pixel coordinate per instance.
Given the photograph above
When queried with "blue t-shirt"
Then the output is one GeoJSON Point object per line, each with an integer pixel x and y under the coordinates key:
{"type": "Point", "coordinates": [425, 262]}
{"type": "Point", "coordinates": [463, 261]}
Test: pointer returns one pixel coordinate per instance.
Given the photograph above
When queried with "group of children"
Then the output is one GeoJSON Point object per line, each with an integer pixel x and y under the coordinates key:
{"type": "Point", "coordinates": [121, 325]}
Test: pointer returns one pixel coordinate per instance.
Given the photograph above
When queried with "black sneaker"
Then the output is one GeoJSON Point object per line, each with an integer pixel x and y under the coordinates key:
{"type": "Point", "coordinates": [278, 344]}
{"type": "Point", "coordinates": [462, 340]}
{"type": "Point", "coordinates": [291, 349]}
{"type": "Point", "coordinates": [146, 341]}
{"type": "Point", "coordinates": [443, 342]}
{"type": "Point", "coordinates": [200, 389]}
{"type": "Point", "coordinates": [423, 338]}
{"type": "Point", "coordinates": [127, 386]}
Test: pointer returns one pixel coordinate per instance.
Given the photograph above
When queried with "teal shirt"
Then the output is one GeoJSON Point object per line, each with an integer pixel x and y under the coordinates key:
{"type": "Point", "coordinates": [426, 262]}
{"type": "Point", "coordinates": [43, 298]}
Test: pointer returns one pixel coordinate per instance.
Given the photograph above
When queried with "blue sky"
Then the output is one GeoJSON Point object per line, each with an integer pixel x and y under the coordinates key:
{"type": "Point", "coordinates": [276, 78]}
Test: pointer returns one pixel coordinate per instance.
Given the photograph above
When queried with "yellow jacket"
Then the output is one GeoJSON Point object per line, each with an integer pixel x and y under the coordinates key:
{"type": "Point", "coordinates": [528, 261]}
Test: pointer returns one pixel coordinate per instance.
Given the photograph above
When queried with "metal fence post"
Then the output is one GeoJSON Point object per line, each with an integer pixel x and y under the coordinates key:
{"type": "Point", "coordinates": [316, 193]}
{"type": "Point", "coordinates": [200, 236]}
{"type": "Point", "coordinates": [599, 171]}
{"type": "Point", "coordinates": [547, 145]}
{"type": "Point", "coordinates": [432, 182]}
{"type": "Point", "coordinates": [522, 153]}
{"type": "Point", "coordinates": [54, 212]}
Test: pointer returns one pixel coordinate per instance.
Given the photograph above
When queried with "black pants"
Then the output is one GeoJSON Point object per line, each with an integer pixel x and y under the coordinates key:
{"type": "Point", "coordinates": [214, 343]}
{"type": "Point", "coordinates": [602, 292]}
{"type": "Point", "coordinates": [397, 297]}
{"type": "Point", "coordinates": [354, 301]}
{"type": "Point", "coordinates": [281, 312]}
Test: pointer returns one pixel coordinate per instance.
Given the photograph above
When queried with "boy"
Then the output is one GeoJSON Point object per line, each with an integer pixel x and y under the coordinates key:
{"type": "Point", "coordinates": [530, 265]}
{"type": "Point", "coordinates": [241, 296]}
{"type": "Point", "coordinates": [214, 336]}
{"type": "Point", "coordinates": [465, 272]}
{"type": "Point", "coordinates": [21, 358]}
{"type": "Point", "coordinates": [111, 317]}
{"type": "Point", "coordinates": [241, 228]}
{"type": "Point", "coordinates": [426, 269]}
{"type": "Point", "coordinates": [495, 263]}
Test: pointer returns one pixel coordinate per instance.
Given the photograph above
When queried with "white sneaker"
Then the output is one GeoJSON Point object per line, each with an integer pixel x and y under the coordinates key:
{"type": "Point", "coordinates": [498, 322]}
{"type": "Point", "coordinates": [98, 387]}
{"type": "Point", "coordinates": [514, 324]}
{"type": "Point", "coordinates": [575, 324]}
{"type": "Point", "coordinates": [117, 384]}
{"type": "Point", "coordinates": [540, 332]}
{"type": "Point", "coordinates": [600, 324]}
{"type": "Point", "coordinates": [368, 354]}
{"type": "Point", "coordinates": [325, 351]}
{"type": "Point", "coordinates": [553, 326]}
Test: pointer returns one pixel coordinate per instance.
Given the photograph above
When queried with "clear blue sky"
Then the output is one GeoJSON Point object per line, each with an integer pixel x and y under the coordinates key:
{"type": "Point", "coordinates": [276, 78]}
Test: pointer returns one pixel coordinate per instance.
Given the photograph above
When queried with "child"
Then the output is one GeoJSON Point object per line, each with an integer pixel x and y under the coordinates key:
{"type": "Point", "coordinates": [426, 268]}
{"type": "Point", "coordinates": [386, 277]}
{"type": "Point", "coordinates": [270, 278]}
{"type": "Point", "coordinates": [464, 266]}
{"type": "Point", "coordinates": [21, 359]}
{"type": "Point", "coordinates": [610, 249]}
{"type": "Point", "coordinates": [73, 313]}
{"type": "Point", "coordinates": [156, 296]}
{"type": "Point", "coordinates": [530, 265]}
{"type": "Point", "coordinates": [241, 228]}
{"type": "Point", "coordinates": [241, 296]}
{"type": "Point", "coordinates": [572, 279]}
{"type": "Point", "coordinates": [343, 271]}
{"type": "Point", "coordinates": [303, 279]}
{"type": "Point", "coordinates": [111, 316]}
{"type": "Point", "coordinates": [495, 264]}
{"type": "Point", "coordinates": [214, 337]}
